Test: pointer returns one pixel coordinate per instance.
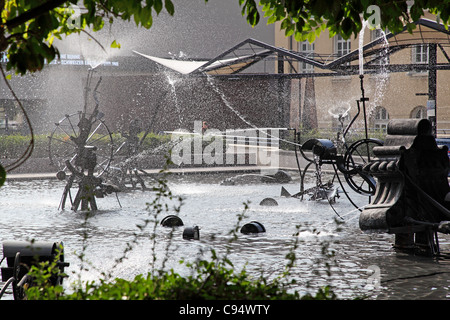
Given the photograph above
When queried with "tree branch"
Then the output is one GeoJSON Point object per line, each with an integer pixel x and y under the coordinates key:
{"type": "Point", "coordinates": [34, 13]}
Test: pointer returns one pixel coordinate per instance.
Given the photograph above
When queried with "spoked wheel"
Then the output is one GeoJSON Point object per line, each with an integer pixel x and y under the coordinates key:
{"type": "Point", "coordinates": [359, 154]}
{"type": "Point", "coordinates": [70, 138]}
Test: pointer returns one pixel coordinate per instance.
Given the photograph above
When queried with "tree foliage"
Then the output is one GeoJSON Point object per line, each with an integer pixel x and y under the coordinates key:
{"type": "Point", "coordinates": [306, 19]}
{"type": "Point", "coordinates": [29, 27]}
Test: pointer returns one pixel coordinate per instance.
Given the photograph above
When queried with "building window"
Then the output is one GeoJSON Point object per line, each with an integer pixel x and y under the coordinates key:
{"type": "Point", "coordinates": [420, 53]}
{"type": "Point", "coordinates": [381, 119]}
{"type": "Point", "coordinates": [306, 49]}
{"type": "Point", "coordinates": [341, 46]}
{"type": "Point", "coordinates": [419, 112]}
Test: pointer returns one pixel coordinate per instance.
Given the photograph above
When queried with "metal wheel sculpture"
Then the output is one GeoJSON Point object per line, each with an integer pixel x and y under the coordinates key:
{"type": "Point", "coordinates": [357, 156]}
{"type": "Point", "coordinates": [126, 173]}
{"type": "Point", "coordinates": [348, 161]}
{"type": "Point", "coordinates": [72, 134]}
{"type": "Point", "coordinates": [81, 146]}
{"type": "Point", "coordinates": [349, 164]}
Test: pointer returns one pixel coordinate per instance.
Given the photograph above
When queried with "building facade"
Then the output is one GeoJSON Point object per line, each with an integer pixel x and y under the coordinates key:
{"type": "Point", "coordinates": [392, 95]}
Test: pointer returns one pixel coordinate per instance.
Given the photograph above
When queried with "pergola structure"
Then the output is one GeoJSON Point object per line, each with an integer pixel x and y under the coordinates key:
{"type": "Point", "coordinates": [236, 62]}
{"type": "Point", "coordinates": [249, 52]}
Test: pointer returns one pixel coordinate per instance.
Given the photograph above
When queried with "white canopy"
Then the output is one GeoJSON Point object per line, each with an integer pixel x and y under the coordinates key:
{"type": "Point", "coordinates": [181, 66]}
{"type": "Point", "coordinates": [222, 66]}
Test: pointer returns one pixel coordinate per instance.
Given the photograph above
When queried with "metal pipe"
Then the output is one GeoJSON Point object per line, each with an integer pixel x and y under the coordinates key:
{"type": "Point", "coordinates": [5, 286]}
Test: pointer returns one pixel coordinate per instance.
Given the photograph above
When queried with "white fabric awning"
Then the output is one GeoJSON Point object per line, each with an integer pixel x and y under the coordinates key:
{"type": "Point", "coordinates": [221, 66]}
{"type": "Point", "coordinates": [181, 66]}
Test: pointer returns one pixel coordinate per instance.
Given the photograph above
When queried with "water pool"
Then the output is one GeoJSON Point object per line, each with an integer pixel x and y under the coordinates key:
{"type": "Point", "coordinates": [363, 264]}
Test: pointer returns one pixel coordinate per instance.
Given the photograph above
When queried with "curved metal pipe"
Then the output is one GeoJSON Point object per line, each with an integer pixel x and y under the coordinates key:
{"type": "Point", "coordinates": [5, 286]}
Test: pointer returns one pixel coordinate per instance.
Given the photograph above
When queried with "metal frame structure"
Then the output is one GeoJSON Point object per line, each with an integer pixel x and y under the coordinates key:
{"type": "Point", "coordinates": [234, 62]}
{"type": "Point", "coordinates": [240, 57]}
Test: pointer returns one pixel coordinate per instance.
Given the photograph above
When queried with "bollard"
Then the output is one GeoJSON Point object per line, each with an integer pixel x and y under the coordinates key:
{"type": "Point", "coordinates": [172, 221]}
{"type": "Point", "coordinates": [268, 202]}
{"type": "Point", "coordinates": [191, 233]}
{"type": "Point", "coordinates": [253, 227]}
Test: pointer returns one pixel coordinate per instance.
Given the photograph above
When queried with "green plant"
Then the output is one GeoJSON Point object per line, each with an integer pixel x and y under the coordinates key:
{"type": "Point", "coordinates": [211, 280]}
{"type": "Point", "coordinates": [13, 145]}
{"type": "Point", "coordinates": [306, 20]}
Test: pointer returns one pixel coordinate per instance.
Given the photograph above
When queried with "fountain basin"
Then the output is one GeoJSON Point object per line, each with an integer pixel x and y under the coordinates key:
{"type": "Point", "coordinates": [30, 210]}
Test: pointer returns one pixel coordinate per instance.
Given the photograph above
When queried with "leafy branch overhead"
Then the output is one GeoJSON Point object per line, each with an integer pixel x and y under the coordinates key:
{"type": "Point", "coordinates": [29, 26]}
{"type": "Point", "coordinates": [306, 19]}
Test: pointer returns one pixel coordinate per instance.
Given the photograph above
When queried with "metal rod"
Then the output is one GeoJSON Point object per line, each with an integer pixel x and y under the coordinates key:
{"type": "Point", "coordinates": [363, 100]}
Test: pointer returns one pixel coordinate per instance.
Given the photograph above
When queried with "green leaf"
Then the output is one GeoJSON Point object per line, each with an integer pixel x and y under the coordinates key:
{"type": "Point", "coordinates": [169, 7]}
{"type": "Point", "coordinates": [115, 44]}
{"type": "Point", "coordinates": [311, 37]}
{"type": "Point", "coordinates": [272, 19]}
{"type": "Point", "coordinates": [157, 4]}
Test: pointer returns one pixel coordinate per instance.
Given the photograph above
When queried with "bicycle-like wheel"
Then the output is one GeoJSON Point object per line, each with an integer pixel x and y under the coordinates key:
{"type": "Point", "coordinates": [356, 156]}
{"type": "Point", "coordinates": [68, 139]}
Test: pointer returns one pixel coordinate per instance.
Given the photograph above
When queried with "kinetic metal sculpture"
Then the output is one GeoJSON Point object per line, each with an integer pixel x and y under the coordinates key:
{"type": "Point", "coordinates": [81, 146]}
{"type": "Point", "coordinates": [344, 158]}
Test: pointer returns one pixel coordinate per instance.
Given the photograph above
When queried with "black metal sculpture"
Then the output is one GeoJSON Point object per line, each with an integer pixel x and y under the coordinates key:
{"type": "Point", "coordinates": [127, 174]}
{"type": "Point", "coordinates": [75, 146]}
{"type": "Point", "coordinates": [347, 159]}
{"type": "Point", "coordinates": [412, 187]}
{"type": "Point", "coordinates": [21, 256]}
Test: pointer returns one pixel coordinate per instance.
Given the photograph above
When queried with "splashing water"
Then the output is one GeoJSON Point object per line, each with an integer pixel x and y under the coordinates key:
{"type": "Point", "coordinates": [227, 103]}
{"type": "Point", "coordinates": [382, 78]}
{"type": "Point", "coordinates": [172, 82]}
{"type": "Point", "coordinates": [360, 49]}
{"type": "Point", "coordinates": [382, 75]}
{"type": "Point", "coordinates": [340, 111]}
{"type": "Point", "coordinates": [229, 106]}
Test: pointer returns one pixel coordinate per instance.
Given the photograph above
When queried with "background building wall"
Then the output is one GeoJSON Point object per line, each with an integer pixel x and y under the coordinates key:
{"type": "Point", "coordinates": [132, 86]}
{"type": "Point", "coordinates": [396, 92]}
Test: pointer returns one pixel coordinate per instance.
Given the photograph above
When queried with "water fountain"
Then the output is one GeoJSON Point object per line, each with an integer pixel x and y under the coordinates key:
{"type": "Point", "coordinates": [347, 159]}
{"type": "Point", "coordinates": [210, 207]}
{"type": "Point", "coordinates": [79, 162]}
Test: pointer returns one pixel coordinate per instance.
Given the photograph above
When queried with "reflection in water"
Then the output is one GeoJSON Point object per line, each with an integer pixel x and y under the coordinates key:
{"type": "Point", "coordinates": [360, 264]}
